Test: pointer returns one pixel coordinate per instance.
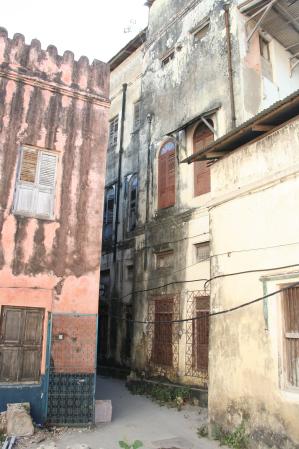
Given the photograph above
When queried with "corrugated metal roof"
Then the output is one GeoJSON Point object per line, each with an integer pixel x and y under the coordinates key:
{"type": "Point", "coordinates": [260, 124]}
{"type": "Point", "coordinates": [281, 22]}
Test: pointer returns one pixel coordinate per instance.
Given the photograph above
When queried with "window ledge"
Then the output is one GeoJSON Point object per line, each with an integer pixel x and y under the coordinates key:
{"type": "Point", "coordinates": [37, 217]}
{"type": "Point", "coordinates": [20, 384]}
{"type": "Point", "coordinates": [291, 394]}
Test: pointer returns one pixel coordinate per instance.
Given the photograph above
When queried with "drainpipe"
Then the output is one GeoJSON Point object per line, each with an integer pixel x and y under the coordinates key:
{"type": "Point", "coordinates": [121, 150]}
{"type": "Point", "coordinates": [230, 66]}
{"type": "Point", "coordinates": [148, 174]}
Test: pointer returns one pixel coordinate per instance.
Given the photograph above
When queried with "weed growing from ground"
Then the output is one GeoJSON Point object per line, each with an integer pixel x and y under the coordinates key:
{"type": "Point", "coordinates": [136, 445]}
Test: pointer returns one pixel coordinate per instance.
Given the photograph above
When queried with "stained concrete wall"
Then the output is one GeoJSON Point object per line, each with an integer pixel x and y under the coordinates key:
{"type": "Point", "coordinates": [56, 103]}
{"type": "Point", "coordinates": [194, 82]}
{"type": "Point", "coordinates": [254, 226]}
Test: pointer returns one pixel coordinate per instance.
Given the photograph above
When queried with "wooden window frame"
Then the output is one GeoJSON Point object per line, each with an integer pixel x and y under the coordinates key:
{"type": "Point", "coordinates": [21, 346]}
{"type": "Point", "coordinates": [35, 185]}
{"type": "Point", "coordinates": [166, 58]}
{"type": "Point", "coordinates": [167, 175]}
{"type": "Point", "coordinates": [109, 214]}
{"type": "Point", "coordinates": [162, 352]}
{"type": "Point", "coordinates": [132, 205]}
{"type": "Point", "coordinates": [290, 340]}
{"type": "Point", "coordinates": [161, 255]}
{"type": "Point", "coordinates": [200, 350]}
{"type": "Point", "coordinates": [201, 169]}
{"type": "Point", "coordinates": [200, 31]}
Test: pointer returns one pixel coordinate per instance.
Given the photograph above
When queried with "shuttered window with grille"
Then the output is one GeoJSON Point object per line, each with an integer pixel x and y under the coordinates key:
{"type": "Point", "coordinates": [35, 186]}
{"type": "Point", "coordinates": [162, 345]}
{"type": "Point", "coordinates": [291, 335]}
{"type": "Point", "coordinates": [201, 334]}
{"type": "Point", "coordinates": [21, 335]}
{"type": "Point", "coordinates": [202, 137]}
{"type": "Point", "coordinates": [166, 176]}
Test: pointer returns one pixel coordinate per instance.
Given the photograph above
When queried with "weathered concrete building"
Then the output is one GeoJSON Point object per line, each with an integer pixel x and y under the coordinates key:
{"type": "Point", "coordinates": [254, 235]}
{"type": "Point", "coordinates": [53, 140]}
{"type": "Point", "coordinates": [201, 68]}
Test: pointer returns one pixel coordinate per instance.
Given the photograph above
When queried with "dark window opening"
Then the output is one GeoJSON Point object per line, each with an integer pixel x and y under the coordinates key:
{"type": "Point", "coordinates": [132, 210]}
{"type": "Point", "coordinates": [108, 213]}
{"type": "Point", "coordinates": [264, 48]}
{"type": "Point", "coordinates": [201, 31]}
{"type": "Point", "coordinates": [21, 336]}
{"type": "Point", "coordinates": [167, 59]}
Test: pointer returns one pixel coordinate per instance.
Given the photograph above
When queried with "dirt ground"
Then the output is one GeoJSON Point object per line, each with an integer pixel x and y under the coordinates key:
{"type": "Point", "coordinates": [133, 418]}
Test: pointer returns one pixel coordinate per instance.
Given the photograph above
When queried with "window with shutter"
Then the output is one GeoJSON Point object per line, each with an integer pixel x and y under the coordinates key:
{"type": "Point", "coordinates": [113, 132]}
{"type": "Point", "coordinates": [137, 110]}
{"type": "Point", "coordinates": [35, 186]}
{"type": "Point", "coordinates": [108, 213]}
{"type": "Point", "coordinates": [200, 332]}
{"type": "Point", "coordinates": [132, 209]}
{"type": "Point", "coordinates": [202, 137]}
{"type": "Point", "coordinates": [291, 335]}
{"type": "Point", "coordinates": [162, 345]}
{"type": "Point", "coordinates": [21, 335]}
{"type": "Point", "coordinates": [166, 175]}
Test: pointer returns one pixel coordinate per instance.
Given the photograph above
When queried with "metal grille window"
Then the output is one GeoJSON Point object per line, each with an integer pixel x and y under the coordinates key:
{"type": "Point", "coordinates": [203, 136]}
{"type": "Point", "coordinates": [35, 186]}
{"type": "Point", "coordinates": [166, 175]}
{"type": "Point", "coordinates": [21, 335]}
{"type": "Point", "coordinates": [162, 344]}
{"type": "Point", "coordinates": [164, 259]}
{"type": "Point", "coordinates": [130, 272]}
{"type": "Point", "coordinates": [113, 132]}
{"type": "Point", "coordinates": [202, 251]}
{"type": "Point", "coordinates": [137, 115]}
{"type": "Point", "coordinates": [291, 335]}
{"type": "Point", "coordinates": [108, 213]}
{"type": "Point", "coordinates": [201, 334]}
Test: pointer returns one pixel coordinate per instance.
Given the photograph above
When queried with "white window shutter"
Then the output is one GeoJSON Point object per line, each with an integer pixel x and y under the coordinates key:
{"type": "Point", "coordinates": [44, 202]}
{"type": "Point", "coordinates": [25, 188]}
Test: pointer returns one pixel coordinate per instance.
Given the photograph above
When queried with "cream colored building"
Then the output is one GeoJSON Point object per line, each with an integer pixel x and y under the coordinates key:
{"type": "Point", "coordinates": [254, 237]}
{"type": "Point", "coordinates": [195, 73]}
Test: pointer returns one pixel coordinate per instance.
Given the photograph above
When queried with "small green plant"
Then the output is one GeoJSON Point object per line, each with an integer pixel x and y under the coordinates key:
{"type": "Point", "coordinates": [236, 439]}
{"type": "Point", "coordinates": [202, 431]}
{"type": "Point", "coordinates": [136, 445]}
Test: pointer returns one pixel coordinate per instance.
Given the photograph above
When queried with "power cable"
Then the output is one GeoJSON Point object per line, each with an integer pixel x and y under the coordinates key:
{"type": "Point", "coordinates": [222, 312]}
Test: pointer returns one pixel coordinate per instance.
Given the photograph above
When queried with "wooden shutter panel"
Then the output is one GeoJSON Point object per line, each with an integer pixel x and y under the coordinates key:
{"type": "Point", "coordinates": [203, 136]}
{"type": "Point", "coordinates": [11, 326]}
{"type": "Point", "coordinates": [291, 334]}
{"type": "Point", "coordinates": [28, 165]}
{"type": "Point", "coordinates": [162, 344]}
{"type": "Point", "coordinates": [9, 364]}
{"type": "Point", "coordinates": [166, 179]}
{"type": "Point", "coordinates": [25, 188]}
{"type": "Point", "coordinates": [46, 185]}
{"type": "Point", "coordinates": [32, 344]}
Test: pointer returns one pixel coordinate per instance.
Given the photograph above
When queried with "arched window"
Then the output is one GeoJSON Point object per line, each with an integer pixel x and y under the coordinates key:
{"type": "Point", "coordinates": [166, 175]}
{"type": "Point", "coordinates": [202, 137]}
{"type": "Point", "coordinates": [132, 209]}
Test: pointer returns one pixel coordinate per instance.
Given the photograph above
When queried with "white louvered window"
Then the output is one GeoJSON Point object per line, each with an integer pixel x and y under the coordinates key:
{"type": "Point", "coordinates": [35, 186]}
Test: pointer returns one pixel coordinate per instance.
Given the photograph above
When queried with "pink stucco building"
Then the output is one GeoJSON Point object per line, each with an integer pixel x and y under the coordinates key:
{"type": "Point", "coordinates": [53, 139]}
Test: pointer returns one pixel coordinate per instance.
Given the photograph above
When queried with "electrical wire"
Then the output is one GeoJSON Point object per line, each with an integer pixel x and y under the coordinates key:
{"type": "Point", "coordinates": [201, 280]}
{"type": "Point", "coordinates": [222, 312]}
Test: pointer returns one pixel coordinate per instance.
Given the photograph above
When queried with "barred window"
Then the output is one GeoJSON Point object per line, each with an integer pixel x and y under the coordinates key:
{"type": "Point", "coordinates": [202, 251]}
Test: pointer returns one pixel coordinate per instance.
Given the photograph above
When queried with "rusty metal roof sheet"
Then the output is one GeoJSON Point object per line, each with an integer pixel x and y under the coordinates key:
{"type": "Point", "coordinates": [127, 50]}
{"type": "Point", "coordinates": [259, 125]}
{"type": "Point", "coordinates": [281, 21]}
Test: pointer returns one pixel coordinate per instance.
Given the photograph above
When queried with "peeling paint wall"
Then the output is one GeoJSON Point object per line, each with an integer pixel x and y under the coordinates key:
{"type": "Point", "coordinates": [174, 95]}
{"type": "Point", "coordinates": [55, 103]}
{"type": "Point", "coordinates": [254, 226]}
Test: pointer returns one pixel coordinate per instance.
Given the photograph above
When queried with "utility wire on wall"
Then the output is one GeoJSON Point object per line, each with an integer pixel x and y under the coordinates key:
{"type": "Point", "coordinates": [204, 316]}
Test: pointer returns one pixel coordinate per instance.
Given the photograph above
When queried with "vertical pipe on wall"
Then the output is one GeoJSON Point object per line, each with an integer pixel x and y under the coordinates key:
{"type": "Point", "coordinates": [230, 66]}
{"type": "Point", "coordinates": [148, 174]}
{"type": "Point", "coordinates": [121, 150]}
